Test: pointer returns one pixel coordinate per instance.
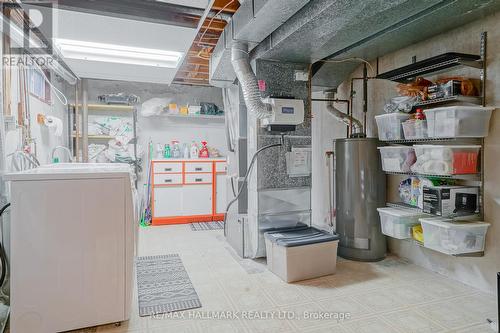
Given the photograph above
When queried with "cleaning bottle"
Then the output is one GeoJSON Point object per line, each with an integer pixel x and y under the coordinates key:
{"type": "Point", "coordinates": [185, 150]}
{"type": "Point", "coordinates": [160, 150]}
{"type": "Point", "coordinates": [204, 150]}
{"type": "Point", "coordinates": [176, 150]}
{"type": "Point", "coordinates": [167, 153]}
{"type": "Point", "coordinates": [194, 150]}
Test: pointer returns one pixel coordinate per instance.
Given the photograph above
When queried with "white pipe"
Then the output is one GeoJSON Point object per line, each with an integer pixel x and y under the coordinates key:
{"type": "Point", "coordinates": [248, 81]}
{"type": "Point", "coordinates": [357, 127]}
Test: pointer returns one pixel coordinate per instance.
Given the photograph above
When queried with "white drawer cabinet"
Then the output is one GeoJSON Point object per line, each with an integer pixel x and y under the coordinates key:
{"type": "Point", "coordinates": [168, 201]}
{"type": "Point", "coordinates": [168, 179]}
{"type": "Point", "coordinates": [167, 167]}
{"type": "Point", "coordinates": [220, 194]}
{"type": "Point", "coordinates": [198, 167]}
{"type": "Point", "coordinates": [188, 190]}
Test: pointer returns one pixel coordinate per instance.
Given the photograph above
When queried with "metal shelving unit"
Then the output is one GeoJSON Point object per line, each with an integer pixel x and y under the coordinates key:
{"type": "Point", "coordinates": [434, 65]}
{"type": "Point", "coordinates": [76, 135]}
{"type": "Point", "coordinates": [441, 63]}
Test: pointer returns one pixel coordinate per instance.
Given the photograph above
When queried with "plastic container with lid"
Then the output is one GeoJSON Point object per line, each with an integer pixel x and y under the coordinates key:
{"type": "Point", "coordinates": [446, 160]}
{"type": "Point", "coordinates": [415, 129]}
{"type": "Point", "coordinates": [397, 158]}
{"type": "Point", "coordinates": [397, 222]}
{"type": "Point", "coordinates": [450, 237]}
{"type": "Point", "coordinates": [389, 126]}
{"type": "Point", "coordinates": [300, 254]}
{"type": "Point", "coordinates": [458, 121]}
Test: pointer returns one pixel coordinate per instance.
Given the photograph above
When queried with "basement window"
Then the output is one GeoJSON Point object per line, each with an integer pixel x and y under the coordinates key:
{"type": "Point", "coordinates": [38, 86]}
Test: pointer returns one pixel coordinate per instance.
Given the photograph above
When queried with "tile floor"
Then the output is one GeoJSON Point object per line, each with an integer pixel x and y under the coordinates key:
{"type": "Point", "coordinates": [388, 296]}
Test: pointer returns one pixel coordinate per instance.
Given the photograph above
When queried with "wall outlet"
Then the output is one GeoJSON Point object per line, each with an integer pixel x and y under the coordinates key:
{"type": "Point", "coordinates": [301, 75]}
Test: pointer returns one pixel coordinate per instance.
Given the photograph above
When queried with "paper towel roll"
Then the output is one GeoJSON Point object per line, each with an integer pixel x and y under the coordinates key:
{"type": "Point", "coordinates": [55, 124]}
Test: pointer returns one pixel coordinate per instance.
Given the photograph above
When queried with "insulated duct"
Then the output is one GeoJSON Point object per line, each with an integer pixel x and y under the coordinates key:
{"type": "Point", "coordinates": [248, 82]}
{"type": "Point", "coordinates": [357, 127]}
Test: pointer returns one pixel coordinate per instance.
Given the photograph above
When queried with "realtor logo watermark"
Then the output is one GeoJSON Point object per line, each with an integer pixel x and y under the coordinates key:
{"type": "Point", "coordinates": [30, 29]}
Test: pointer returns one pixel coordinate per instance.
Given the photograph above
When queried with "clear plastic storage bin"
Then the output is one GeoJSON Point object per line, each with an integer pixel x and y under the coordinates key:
{"type": "Point", "coordinates": [454, 238]}
{"type": "Point", "coordinates": [415, 129]}
{"type": "Point", "coordinates": [397, 222]}
{"type": "Point", "coordinates": [389, 126]}
{"type": "Point", "coordinates": [397, 158]}
{"type": "Point", "coordinates": [446, 160]}
{"type": "Point", "coordinates": [458, 121]}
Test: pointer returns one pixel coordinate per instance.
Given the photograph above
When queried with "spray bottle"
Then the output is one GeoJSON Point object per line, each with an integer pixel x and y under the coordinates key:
{"type": "Point", "coordinates": [194, 150]}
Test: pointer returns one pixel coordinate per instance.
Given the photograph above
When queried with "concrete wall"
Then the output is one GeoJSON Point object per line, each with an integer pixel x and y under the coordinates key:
{"type": "Point", "coordinates": [162, 129]}
{"type": "Point", "coordinates": [43, 138]}
{"type": "Point", "coordinates": [477, 272]}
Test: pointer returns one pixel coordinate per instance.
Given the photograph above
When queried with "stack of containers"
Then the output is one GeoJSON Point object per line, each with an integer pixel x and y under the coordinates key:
{"type": "Point", "coordinates": [440, 234]}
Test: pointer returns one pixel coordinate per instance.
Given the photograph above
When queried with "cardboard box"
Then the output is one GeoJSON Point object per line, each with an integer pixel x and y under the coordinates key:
{"type": "Point", "coordinates": [451, 201]}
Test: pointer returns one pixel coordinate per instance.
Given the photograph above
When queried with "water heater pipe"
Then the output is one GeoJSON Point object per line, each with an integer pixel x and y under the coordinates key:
{"type": "Point", "coordinates": [357, 127]}
{"type": "Point", "coordinates": [248, 82]}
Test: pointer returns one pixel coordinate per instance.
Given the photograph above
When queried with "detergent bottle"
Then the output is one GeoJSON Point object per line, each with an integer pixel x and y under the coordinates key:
{"type": "Point", "coordinates": [204, 150]}
{"type": "Point", "coordinates": [194, 150]}
{"type": "Point", "coordinates": [176, 150]}
{"type": "Point", "coordinates": [167, 152]}
{"type": "Point", "coordinates": [185, 150]}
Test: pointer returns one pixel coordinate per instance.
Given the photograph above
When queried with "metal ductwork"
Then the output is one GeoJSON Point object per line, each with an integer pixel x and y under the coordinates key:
{"type": "Point", "coordinates": [339, 29]}
{"type": "Point", "coordinates": [357, 127]}
{"type": "Point", "coordinates": [252, 23]}
{"type": "Point", "coordinates": [248, 81]}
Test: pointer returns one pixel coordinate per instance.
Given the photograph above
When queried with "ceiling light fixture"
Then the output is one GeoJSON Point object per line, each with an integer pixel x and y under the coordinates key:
{"type": "Point", "coordinates": [81, 50]}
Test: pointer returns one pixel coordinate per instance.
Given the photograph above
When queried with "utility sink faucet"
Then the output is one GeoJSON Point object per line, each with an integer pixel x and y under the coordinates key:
{"type": "Point", "coordinates": [70, 157]}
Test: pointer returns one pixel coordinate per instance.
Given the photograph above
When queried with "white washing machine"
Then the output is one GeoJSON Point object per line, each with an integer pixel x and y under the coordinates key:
{"type": "Point", "coordinates": [73, 231]}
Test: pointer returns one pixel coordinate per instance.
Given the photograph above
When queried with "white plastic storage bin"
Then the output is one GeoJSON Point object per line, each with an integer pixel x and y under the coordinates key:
{"type": "Point", "coordinates": [454, 238]}
{"type": "Point", "coordinates": [446, 160]}
{"type": "Point", "coordinates": [300, 254]}
{"type": "Point", "coordinates": [389, 126]}
{"type": "Point", "coordinates": [397, 158]}
{"type": "Point", "coordinates": [415, 129]}
{"type": "Point", "coordinates": [458, 121]}
{"type": "Point", "coordinates": [397, 222]}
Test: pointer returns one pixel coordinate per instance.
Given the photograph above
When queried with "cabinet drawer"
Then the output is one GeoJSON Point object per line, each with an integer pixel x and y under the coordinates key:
{"type": "Point", "coordinates": [166, 179]}
{"type": "Point", "coordinates": [199, 167]}
{"type": "Point", "coordinates": [221, 167]}
{"type": "Point", "coordinates": [202, 178]}
{"type": "Point", "coordinates": [162, 167]}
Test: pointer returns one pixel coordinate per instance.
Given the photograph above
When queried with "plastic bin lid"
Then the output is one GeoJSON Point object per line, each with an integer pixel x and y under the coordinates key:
{"type": "Point", "coordinates": [447, 146]}
{"type": "Point", "coordinates": [299, 237]}
{"type": "Point", "coordinates": [400, 212]}
{"type": "Point", "coordinates": [448, 223]}
{"type": "Point", "coordinates": [284, 227]}
{"type": "Point", "coordinates": [393, 114]}
{"type": "Point", "coordinates": [462, 107]}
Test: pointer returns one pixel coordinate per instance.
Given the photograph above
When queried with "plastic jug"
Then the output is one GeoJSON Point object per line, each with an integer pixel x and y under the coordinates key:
{"type": "Point", "coordinates": [185, 150]}
{"type": "Point", "coordinates": [194, 150]}
{"type": "Point", "coordinates": [204, 150]}
{"type": "Point", "coordinates": [176, 150]}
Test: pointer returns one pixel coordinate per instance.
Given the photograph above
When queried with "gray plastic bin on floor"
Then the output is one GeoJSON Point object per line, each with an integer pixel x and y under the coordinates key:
{"type": "Point", "coordinates": [301, 254]}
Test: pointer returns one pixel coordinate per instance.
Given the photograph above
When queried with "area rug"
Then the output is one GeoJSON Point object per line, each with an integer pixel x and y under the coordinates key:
{"type": "Point", "coordinates": [164, 286]}
{"type": "Point", "coordinates": [201, 226]}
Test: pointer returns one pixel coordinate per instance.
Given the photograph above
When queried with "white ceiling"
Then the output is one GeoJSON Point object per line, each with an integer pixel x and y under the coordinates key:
{"type": "Point", "coordinates": [118, 31]}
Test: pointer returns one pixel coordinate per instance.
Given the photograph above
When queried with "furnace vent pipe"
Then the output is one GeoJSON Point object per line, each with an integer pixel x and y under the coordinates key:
{"type": "Point", "coordinates": [248, 82]}
{"type": "Point", "coordinates": [357, 127]}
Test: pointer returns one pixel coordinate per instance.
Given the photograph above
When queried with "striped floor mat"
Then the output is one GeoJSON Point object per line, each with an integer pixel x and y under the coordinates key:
{"type": "Point", "coordinates": [201, 226]}
{"type": "Point", "coordinates": [164, 285]}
